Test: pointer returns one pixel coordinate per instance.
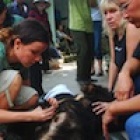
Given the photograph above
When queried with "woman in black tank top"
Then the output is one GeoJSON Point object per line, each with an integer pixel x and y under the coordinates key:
{"type": "Point", "coordinates": [123, 38]}
{"type": "Point", "coordinates": [120, 53]}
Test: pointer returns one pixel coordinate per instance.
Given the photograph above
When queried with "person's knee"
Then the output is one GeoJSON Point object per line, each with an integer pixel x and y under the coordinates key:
{"type": "Point", "coordinates": [33, 100]}
{"type": "Point", "coordinates": [31, 103]}
{"type": "Point", "coordinates": [132, 127]}
{"type": "Point", "coordinates": [98, 54]}
{"type": "Point", "coordinates": [17, 80]}
{"type": "Point", "coordinates": [15, 86]}
{"type": "Point", "coordinates": [9, 95]}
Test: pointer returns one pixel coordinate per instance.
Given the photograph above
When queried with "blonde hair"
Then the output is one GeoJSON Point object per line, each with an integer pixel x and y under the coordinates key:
{"type": "Point", "coordinates": [25, 32]}
{"type": "Point", "coordinates": [107, 5]}
{"type": "Point", "coordinates": [7, 36]}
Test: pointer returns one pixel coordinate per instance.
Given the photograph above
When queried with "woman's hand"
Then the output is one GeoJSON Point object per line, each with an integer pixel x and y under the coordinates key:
{"type": "Point", "coordinates": [40, 114]}
{"type": "Point", "coordinates": [99, 107]}
{"type": "Point", "coordinates": [53, 102]}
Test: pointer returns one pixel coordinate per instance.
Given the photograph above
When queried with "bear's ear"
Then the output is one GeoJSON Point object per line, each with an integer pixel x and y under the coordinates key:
{"type": "Point", "coordinates": [79, 96]}
{"type": "Point", "coordinates": [88, 89]}
{"type": "Point", "coordinates": [83, 100]}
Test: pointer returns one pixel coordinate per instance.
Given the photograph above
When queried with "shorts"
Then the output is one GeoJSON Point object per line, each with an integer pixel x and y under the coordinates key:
{"type": "Point", "coordinates": [6, 78]}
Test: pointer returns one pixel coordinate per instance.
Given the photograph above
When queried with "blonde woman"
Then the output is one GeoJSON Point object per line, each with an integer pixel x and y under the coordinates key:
{"type": "Point", "coordinates": [125, 83]}
{"type": "Point", "coordinates": [123, 38]}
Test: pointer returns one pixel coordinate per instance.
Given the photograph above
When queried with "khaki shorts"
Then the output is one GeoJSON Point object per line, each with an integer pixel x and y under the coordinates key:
{"type": "Point", "coordinates": [6, 78]}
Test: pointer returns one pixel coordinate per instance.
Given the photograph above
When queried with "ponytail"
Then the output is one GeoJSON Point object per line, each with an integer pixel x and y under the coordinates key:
{"type": "Point", "coordinates": [7, 36]}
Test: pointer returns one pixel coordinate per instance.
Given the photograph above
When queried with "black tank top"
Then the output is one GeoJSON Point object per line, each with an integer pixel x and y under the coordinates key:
{"type": "Point", "coordinates": [137, 52]}
{"type": "Point", "coordinates": [120, 51]}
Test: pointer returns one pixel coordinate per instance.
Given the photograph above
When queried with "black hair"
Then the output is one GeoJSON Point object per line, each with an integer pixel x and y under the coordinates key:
{"type": "Point", "coordinates": [30, 30]}
{"type": "Point", "coordinates": [9, 19]}
{"type": "Point", "coordinates": [2, 7]}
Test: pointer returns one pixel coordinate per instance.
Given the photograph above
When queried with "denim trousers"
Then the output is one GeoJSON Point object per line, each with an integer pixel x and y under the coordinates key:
{"type": "Point", "coordinates": [97, 39]}
{"type": "Point", "coordinates": [132, 126]}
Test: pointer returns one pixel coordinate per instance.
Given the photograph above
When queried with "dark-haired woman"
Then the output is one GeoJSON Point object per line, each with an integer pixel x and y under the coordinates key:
{"type": "Point", "coordinates": [21, 44]}
{"type": "Point", "coordinates": [38, 12]}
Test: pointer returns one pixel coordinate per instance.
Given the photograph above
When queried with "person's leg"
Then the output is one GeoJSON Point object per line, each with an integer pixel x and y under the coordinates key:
{"type": "Point", "coordinates": [10, 84]}
{"type": "Point", "coordinates": [26, 99]}
{"type": "Point", "coordinates": [132, 126]}
{"type": "Point", "coordinates": [45, 60]}
{"type": "Point", "coordinates": [90, 46]}
{"type": "Point", "coordinates": [100, 71]}
{"type": "Point", "coordinates": [98, 45]}
{"type": "Point", "coordinates": [93, 45]}
{"type": "Point", "coordinates": [54, 53]}
{"type": "Point", "coordinates": [13, 95]}
{"type": "Point", "coordinates": [36, 78]}
{"type": "Point", "coordinates": [84, 55]}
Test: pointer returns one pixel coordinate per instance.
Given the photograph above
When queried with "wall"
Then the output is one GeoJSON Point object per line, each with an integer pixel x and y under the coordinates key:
{"type": "Point", "coordinates": [52, 19]}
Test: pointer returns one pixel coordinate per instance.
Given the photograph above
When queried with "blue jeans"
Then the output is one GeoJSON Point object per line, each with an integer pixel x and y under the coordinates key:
{"type": "Point", "coordinates": [132, 126]}
{"type": "Point", "coordinates": [97, 27]}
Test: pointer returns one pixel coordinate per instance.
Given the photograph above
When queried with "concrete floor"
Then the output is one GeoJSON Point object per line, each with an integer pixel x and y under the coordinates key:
{"type": "Point", "coordinates": [66, 75]}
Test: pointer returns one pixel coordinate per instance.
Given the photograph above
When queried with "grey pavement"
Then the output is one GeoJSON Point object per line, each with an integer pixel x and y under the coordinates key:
{"type": "Point", "coordinates": [67, 75]}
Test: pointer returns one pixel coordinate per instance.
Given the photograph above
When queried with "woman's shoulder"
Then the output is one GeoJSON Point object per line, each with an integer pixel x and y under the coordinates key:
{"type": "Point", "coordinates": [130, 26]}
{"type": "Point", "coordinates": [132, 31]}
